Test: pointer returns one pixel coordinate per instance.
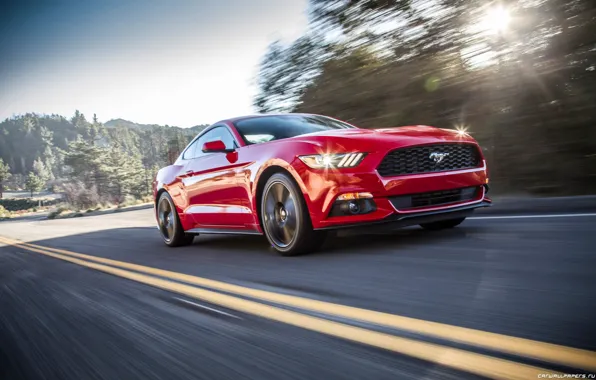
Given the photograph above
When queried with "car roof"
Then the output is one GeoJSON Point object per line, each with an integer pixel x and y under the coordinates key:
{"type": "Point", "coordinates": [258, 115]}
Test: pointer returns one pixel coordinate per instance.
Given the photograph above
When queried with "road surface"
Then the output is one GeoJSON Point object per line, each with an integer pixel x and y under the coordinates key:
{"type": "Point", "coordinates": [102, 298]}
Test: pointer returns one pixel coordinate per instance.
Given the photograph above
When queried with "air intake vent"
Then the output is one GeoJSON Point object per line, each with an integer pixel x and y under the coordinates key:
{"type": "Point", "coordinates": [435, 198]}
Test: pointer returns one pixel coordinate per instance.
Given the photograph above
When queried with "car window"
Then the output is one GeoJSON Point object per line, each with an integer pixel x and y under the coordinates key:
{"type": "Point", "coordinates": [219, 133]}
{"type": "Point", "coordinates": [190, 152]}
{"type": "Point", "coordinates": [275, 127]}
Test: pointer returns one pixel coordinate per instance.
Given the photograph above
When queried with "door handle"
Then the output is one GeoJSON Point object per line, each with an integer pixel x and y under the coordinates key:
{"type": "Point", "coordinates": [187, 173]}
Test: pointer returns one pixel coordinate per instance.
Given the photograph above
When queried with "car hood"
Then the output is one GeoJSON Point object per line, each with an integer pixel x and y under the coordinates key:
{"type": "Point", "coordinates": [383, 139]}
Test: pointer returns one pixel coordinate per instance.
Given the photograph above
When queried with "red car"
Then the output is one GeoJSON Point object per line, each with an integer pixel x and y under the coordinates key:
{"type": "Point", "coordinates": [293, 177]}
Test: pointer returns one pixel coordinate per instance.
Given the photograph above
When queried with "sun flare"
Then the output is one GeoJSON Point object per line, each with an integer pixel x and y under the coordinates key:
{"type": "Point", "coordinates": [497, 20]}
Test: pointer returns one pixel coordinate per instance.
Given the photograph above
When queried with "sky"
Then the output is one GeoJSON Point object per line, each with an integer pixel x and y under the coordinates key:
{"type": "Point", "coordinates": [178, 62]}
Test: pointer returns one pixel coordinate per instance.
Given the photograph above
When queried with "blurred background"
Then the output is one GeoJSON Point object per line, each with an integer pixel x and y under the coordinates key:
{"type": "Point", "coordinates": [519, 76]}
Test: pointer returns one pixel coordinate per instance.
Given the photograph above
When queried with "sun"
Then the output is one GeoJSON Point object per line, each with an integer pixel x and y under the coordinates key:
{"type": "Point", "coordinates": [496, 20]}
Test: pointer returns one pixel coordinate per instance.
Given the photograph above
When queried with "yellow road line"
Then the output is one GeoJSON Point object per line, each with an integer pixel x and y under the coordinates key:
{"type": "Point", "coordinates": [568, 356]}
{"type": "Point", "coordinates": [451, 357]}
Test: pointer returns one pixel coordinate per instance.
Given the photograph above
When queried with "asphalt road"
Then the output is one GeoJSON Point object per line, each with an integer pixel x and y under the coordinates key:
{"type": "Point", "coordinates": [516, 277]}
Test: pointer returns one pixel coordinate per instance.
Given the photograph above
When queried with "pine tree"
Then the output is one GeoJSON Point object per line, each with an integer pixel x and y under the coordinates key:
{"type": "Point", "coordinates": [96, 130]}
{"type": "Point", "coordinates": [81, 125]}
{"type": "Point", "coordinates": [33, 183]}
{"type": "Point", "coordinates": [49, 160]}
{"type": "Point", "coordinates": [4, 176]}
{"type": "Point", "coordinates": [40, 170]}
{"type": "Point", "coordinates": [87, 163]}
{"type": "Point", "coordinates": [126, 174]}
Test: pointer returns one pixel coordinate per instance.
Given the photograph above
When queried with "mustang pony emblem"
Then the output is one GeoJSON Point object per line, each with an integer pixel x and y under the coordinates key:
{"type": "Point", "coordinates": [437, 157]}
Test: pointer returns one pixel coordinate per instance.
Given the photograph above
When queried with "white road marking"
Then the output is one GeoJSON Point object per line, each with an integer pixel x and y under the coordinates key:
{"type": "Point", "coordinates": [533, 216]}
{"type": "Point", "coordinates": [207, 308]}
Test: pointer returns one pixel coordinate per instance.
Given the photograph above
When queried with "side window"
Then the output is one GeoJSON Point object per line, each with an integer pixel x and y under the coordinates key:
{"type": "Point", "coordinates": [217, 133]}
{"type": "Point", "coordinates": [191, 152]}
{"type": "Point", "coordinates": [202, 140]}
{"type": "Point", "coordinates": [223, 134]}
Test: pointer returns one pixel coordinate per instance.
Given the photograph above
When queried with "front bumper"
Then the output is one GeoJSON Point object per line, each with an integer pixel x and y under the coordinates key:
{"type": "Point", "coordinates": [415, 218]}
{"type": "Point", "coordinates": [322, 190]}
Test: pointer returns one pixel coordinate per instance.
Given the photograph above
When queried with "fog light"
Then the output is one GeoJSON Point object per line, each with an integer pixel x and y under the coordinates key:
{"type": "Point", "coordinates": [351, 196]}
{"type": "Point", "coordinates": [354, 207]}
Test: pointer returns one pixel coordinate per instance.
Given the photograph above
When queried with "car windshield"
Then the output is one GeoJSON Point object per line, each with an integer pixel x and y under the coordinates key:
{"type": "Point", "coordinates": [268, 128]}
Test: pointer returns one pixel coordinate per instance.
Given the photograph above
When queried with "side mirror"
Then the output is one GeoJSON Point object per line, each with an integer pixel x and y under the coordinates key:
{"type": "Point", "coordinates": [216, 146]}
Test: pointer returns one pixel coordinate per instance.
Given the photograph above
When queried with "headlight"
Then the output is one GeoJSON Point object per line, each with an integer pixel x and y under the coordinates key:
{"type": "Point", "coordinates": [340, 160]}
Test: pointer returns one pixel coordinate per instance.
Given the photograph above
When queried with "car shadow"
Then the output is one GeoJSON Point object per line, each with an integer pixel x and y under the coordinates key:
{"type": "Point", "coordinates": [122, 243]}
{"type": "Point", "coordinates": [350, 242]}
{"type": "Point", "coordinates": [342, 242]}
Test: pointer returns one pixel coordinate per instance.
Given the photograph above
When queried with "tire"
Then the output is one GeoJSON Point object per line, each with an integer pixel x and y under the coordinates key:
{"type": "Point", "coordinates": [443, 224]}
{"type": "Point", "coordinates": [285, 217]}
{"type": "Point", "coordinates": [169, 224]}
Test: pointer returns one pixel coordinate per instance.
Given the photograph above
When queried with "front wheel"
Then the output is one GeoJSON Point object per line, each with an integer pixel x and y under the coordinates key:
{"type": "Point", "coordinates": [286, 221]}
{"type": "Point", "coordinates": [169, 224]}
{"type": "Point", "coordinates": [443, 224]}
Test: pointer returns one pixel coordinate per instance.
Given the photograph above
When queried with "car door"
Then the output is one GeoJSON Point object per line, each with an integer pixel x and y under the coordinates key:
{"type": "Point", "coordinates": [215, 198]}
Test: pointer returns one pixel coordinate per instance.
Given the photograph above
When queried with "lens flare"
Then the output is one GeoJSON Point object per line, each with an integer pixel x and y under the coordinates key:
{"type": "Point", "coordinates": [496, 20]}
{"type": "Point", "coordinates": [461, 130]}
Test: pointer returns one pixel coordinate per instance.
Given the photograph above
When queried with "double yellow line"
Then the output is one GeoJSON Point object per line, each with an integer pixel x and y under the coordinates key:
{"type": "Point", "coordinates": [451, 357]}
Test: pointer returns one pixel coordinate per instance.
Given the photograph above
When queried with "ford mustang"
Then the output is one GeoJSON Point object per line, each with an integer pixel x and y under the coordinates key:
{"type": "Point", "coordinates": [294, 177]}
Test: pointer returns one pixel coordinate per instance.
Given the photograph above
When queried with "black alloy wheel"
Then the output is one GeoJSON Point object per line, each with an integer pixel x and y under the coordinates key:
{"type": "Point", "coordinates": [280, 214]}
{"type": "Point", "coordinates": [285, 217]}
{"type": "Point", "coordinates": [170, 228]}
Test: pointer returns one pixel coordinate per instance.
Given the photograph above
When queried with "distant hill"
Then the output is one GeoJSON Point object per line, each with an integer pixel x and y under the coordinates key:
{"type": "Point", "coordinates": [33, 140]}
{"type": "Point", "coordinates": [127, 124]}
{"type": "Point", "coordinates": [198, 128]}
{"type": "Point", "coordinates": [131, 124]}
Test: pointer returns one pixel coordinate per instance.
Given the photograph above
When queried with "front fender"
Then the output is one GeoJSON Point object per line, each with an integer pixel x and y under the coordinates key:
{"type": "Point", "coordinates": [165, 176]}
{"type": "Point", "coordinates": [265, 169]}
{"type": "Point", "coordinates": [167, 179]}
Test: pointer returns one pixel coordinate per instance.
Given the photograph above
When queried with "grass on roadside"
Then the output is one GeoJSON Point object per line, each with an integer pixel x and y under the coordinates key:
{"type": "Point", "coordinates": [8, 214]}
{"type": "Point", "coordinates": [4, 213]}
{"type": "Point", "coordinates": [69, 211]}
{"type": "Point", "coordinates": [131, 201]}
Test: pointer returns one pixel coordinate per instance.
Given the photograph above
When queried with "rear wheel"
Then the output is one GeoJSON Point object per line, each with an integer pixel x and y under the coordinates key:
{"type": "Point", "coordinates": [286, 221]}
{"type": "Point", "coordinates": [443, 224]}
{"type": "Point", "coordinates": [169, 224]}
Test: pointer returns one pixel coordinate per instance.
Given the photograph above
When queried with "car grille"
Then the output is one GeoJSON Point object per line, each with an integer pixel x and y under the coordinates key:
{"type": "Point", "coordinates": [435, 198]}
{"type": "Point", "coordinates": [419, 159]}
